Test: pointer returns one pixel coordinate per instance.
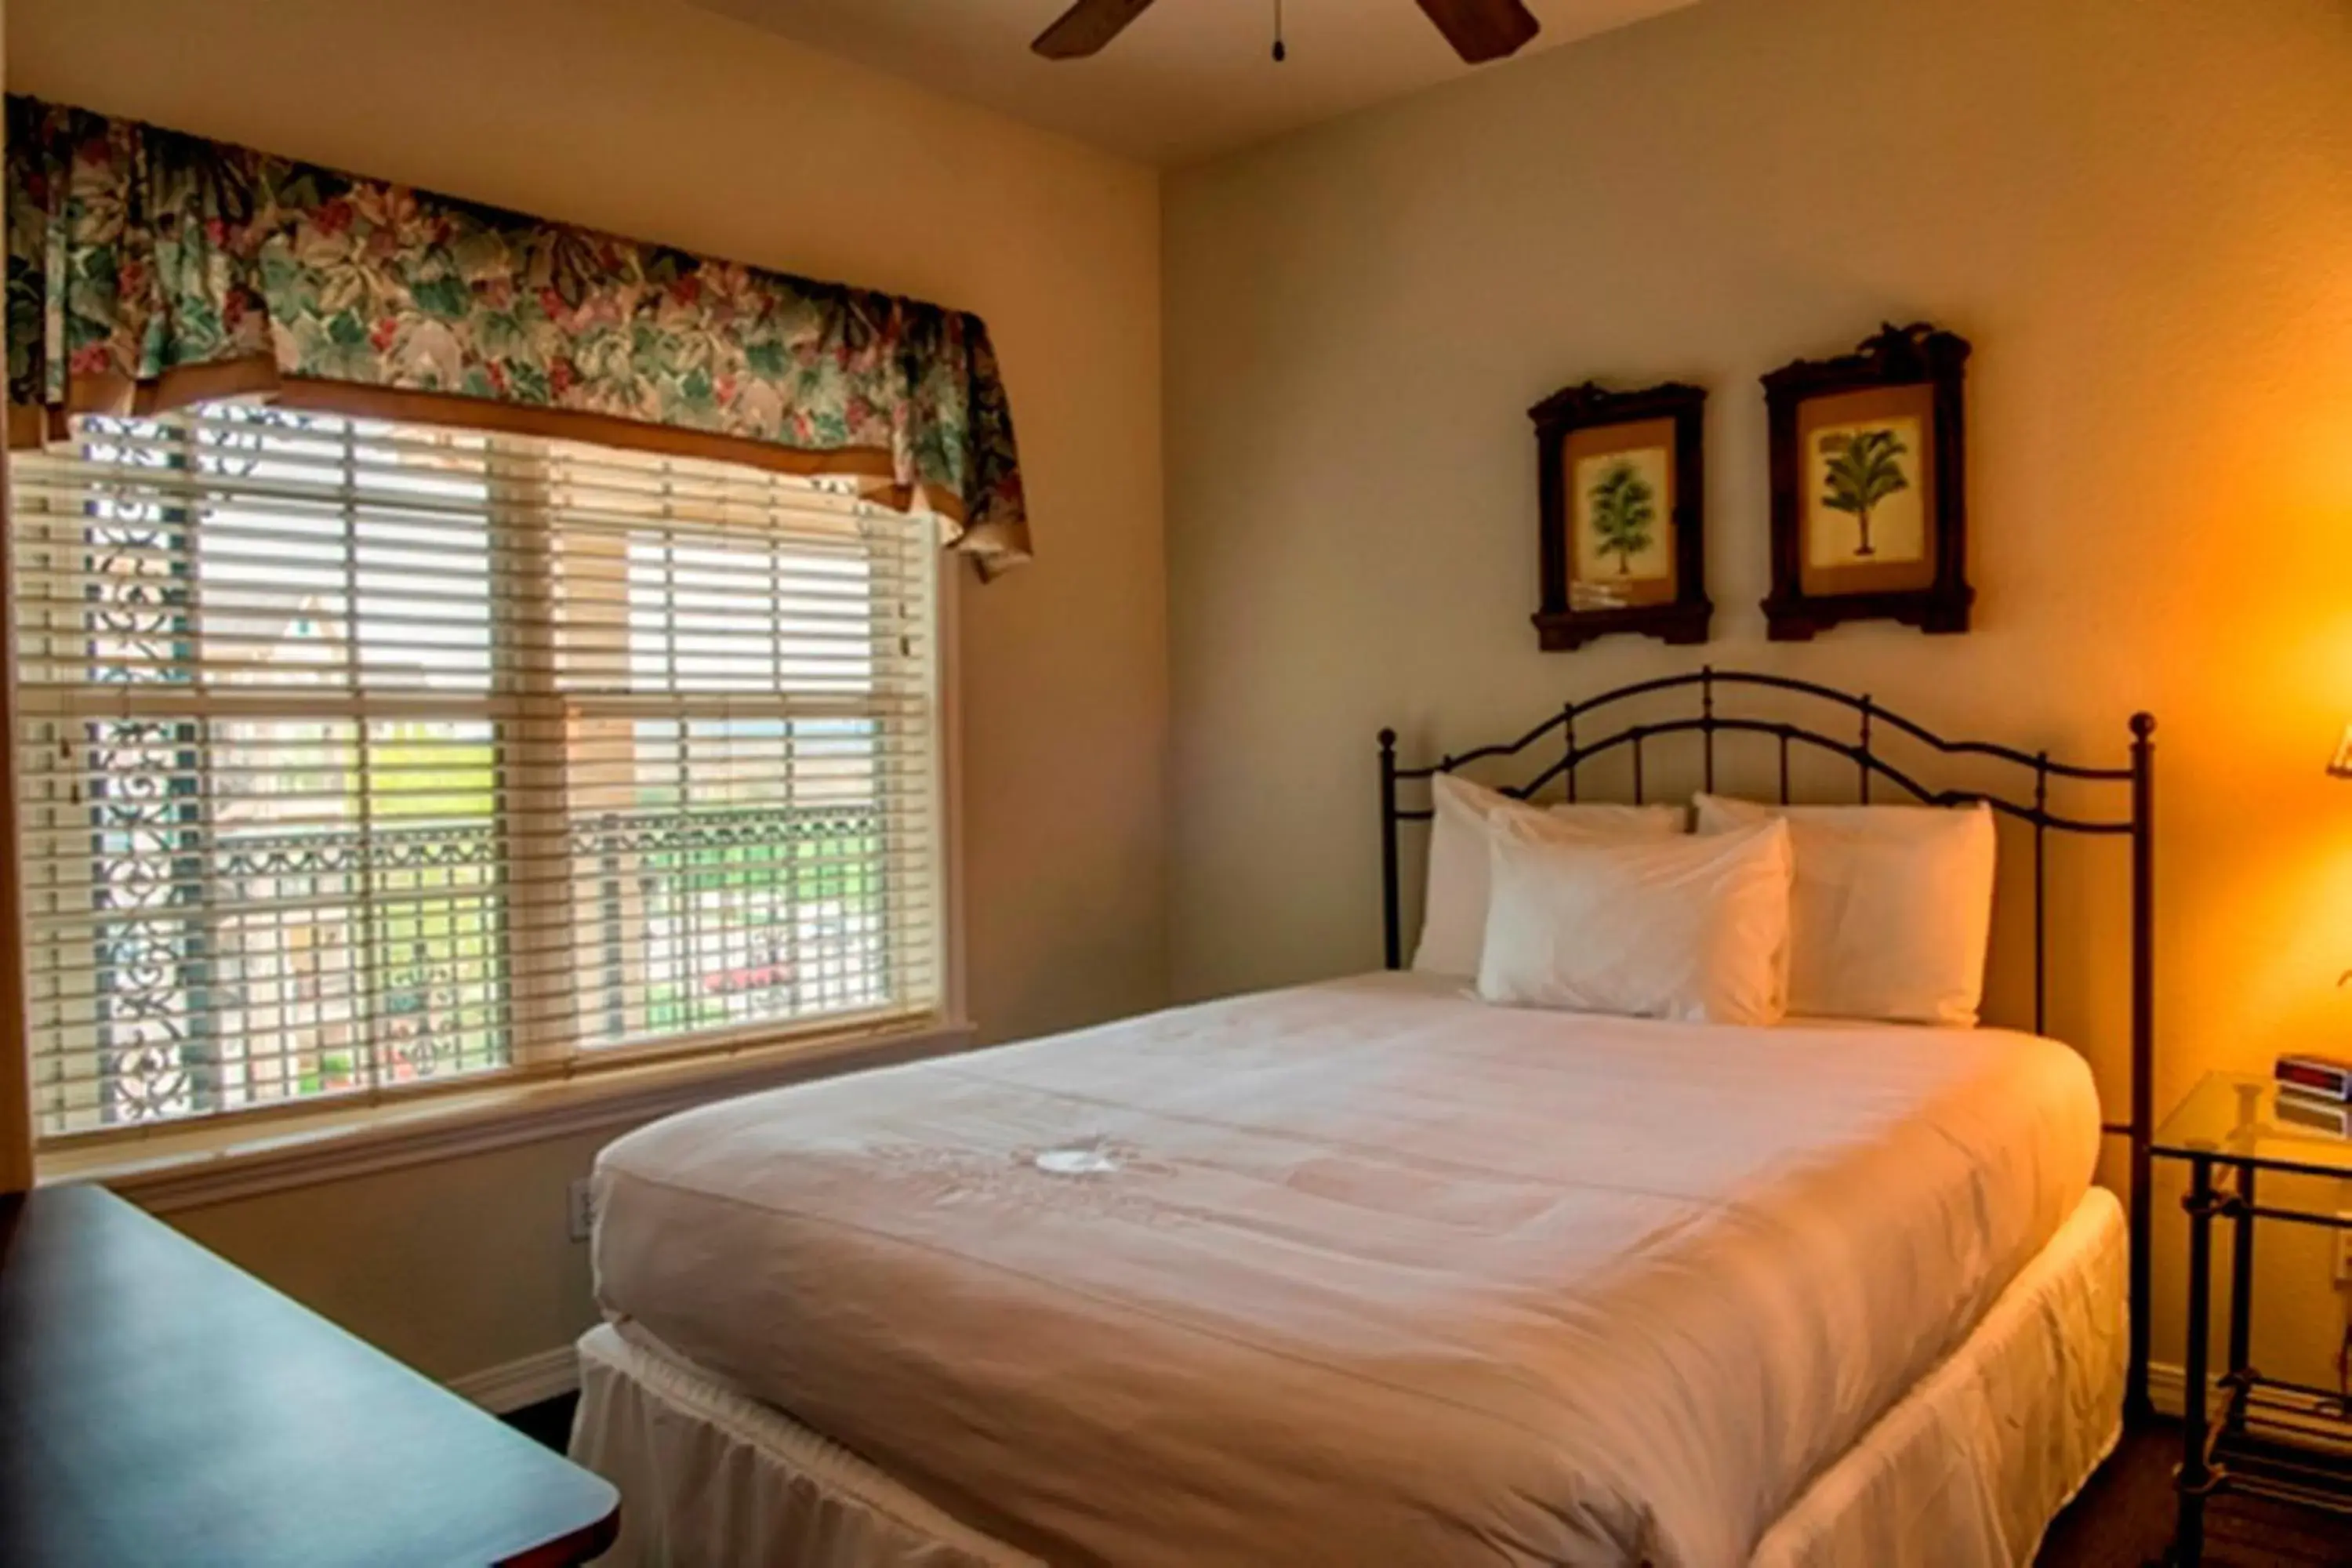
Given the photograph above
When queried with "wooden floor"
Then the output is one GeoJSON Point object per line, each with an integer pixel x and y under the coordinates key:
{"type": "Point", "coordinates": [2123, 1519]}
{"type": "Point", "coordinates": [550, 1420]}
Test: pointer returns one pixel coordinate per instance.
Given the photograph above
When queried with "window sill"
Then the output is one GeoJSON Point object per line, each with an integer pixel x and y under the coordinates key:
{"type": "Point", "coordinates": [199, 1166]}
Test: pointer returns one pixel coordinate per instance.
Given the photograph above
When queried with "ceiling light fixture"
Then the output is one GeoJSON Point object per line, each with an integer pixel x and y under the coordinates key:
{"type": "Point", "coordinates": [1479, 30]}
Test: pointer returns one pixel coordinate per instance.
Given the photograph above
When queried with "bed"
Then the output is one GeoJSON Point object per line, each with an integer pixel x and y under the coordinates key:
{"type": "Point", "coordinates": [1369, 1270]}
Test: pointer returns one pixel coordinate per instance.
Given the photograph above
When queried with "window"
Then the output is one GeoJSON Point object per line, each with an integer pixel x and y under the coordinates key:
{"type": "Point", "coordinates": [356, 756]}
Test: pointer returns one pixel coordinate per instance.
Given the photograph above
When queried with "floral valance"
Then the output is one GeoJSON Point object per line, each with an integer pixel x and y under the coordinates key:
{"type": "Point", "coordinates": [148, 268]}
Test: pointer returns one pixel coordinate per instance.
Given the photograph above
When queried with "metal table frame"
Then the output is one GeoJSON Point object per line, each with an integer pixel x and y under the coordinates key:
{"type": "Point", "coordinates": [2216, 1453]}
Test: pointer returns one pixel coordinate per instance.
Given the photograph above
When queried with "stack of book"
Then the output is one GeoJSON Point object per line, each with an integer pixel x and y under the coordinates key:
{"type": "Point", "coordinates": [2316, 1092]}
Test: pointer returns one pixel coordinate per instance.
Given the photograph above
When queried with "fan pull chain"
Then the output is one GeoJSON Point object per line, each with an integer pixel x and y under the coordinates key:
{"type": "Point", "coordinates": [1280, 54]}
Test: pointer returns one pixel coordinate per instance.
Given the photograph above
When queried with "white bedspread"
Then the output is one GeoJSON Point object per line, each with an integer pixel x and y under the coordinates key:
{"type": "Point", "coordinates": [1357, 1273]}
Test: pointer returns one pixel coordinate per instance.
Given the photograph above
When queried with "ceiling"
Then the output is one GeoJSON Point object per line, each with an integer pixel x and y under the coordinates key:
{"type": "Point", "coordinates": [1190, 79]}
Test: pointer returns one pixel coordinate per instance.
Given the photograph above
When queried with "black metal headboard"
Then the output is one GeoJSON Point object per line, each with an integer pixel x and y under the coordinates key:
{"type": "Point", "coordinates": [2135, 782]}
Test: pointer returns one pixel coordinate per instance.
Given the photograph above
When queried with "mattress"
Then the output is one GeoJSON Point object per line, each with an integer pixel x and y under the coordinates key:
{"type": "Point", "coordinates": [1965, 1470]}
{"type": "Point", "coordinates": [1362, 1271]}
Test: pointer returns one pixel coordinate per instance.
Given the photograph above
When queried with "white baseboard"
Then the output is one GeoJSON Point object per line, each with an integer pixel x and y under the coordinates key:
{"type": "Point", "coordinates": [503, 1389]}
{"type": "Point", "coordinates": [2279, 1423]}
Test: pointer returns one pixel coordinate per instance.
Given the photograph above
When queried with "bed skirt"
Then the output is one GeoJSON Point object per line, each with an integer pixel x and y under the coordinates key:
{"type": "Point", "coordinates": [1967, 1469]}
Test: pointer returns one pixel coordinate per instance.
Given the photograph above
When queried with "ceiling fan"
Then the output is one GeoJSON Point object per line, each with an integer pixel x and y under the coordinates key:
{"type": "Point", "coordinates": [1479, 30]}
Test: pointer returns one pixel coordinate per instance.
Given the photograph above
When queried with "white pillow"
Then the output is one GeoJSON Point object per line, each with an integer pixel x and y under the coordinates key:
{"type": "Point", "coordinates": [1454, 906]}
{"type": "Point", "coordinates": [1694, 929]}
{"type": "Point", "coordinates": [1893, 910]}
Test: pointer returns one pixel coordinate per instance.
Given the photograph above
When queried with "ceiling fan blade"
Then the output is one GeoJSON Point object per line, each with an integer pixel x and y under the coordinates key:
{"type": "Point", "coordinates": [1482, 30]}
{"type": "Point", "coordinates": [1086, 27]}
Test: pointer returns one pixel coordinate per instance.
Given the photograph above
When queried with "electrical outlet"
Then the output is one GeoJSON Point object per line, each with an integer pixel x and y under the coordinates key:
{"type": "Point", "coordinates": [583, 1203]}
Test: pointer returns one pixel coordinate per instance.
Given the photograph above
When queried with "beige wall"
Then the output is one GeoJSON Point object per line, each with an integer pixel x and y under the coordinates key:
{"type": "Point", "coordinates": [2140, 211]}
{"type": "Point", "coordinates": [668, 123]}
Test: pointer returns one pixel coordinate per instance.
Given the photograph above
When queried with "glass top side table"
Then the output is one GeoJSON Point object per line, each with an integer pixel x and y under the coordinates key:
{"type": "Point", "coordinates": [2243, 1125]}
{"type": "Point", "coordinates": [2230, 1118]}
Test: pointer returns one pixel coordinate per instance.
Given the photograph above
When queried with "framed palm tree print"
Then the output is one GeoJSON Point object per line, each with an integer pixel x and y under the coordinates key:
{"type": "Point", "coordinates": [1869, 493]}
{"type": "Point", "coordinates": [1621, 475]}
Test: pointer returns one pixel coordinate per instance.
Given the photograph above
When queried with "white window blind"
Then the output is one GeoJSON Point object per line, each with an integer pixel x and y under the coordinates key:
{"type": "Point", "coordinates": [357, 756]}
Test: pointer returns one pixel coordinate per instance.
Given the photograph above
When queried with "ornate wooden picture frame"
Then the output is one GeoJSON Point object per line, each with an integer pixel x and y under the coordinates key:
{"type": "Point", "coordinates": [1869, 477]}
{"type": "Point", "coordinates": [1621, 478]}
